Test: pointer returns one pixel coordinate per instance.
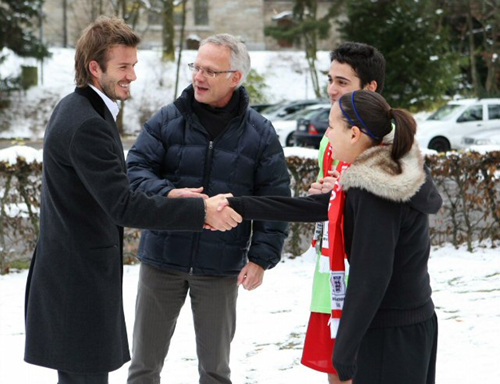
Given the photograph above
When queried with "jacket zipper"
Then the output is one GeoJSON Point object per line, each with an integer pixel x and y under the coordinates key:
{"type": "Point", "coordinates": [208, 166]}
{"type": "Point", "coordinates": [206, 178]}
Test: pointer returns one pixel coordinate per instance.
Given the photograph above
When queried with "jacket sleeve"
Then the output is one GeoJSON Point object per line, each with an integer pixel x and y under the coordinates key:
{"type": "Point", "coordinates": [371, 227]}
{"type": "Point", "coordinates": [94, 154]}
{"type": "Point", "coordinates": [271, 179]}
{"type": "Point", "coordinates": [309, 209]}
{"type": "Point", "coordinates": [144, 159]}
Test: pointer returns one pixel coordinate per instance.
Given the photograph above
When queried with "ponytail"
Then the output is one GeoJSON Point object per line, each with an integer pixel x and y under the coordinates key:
{"type": "Point", "coordinates": [371, 113]}
{"type": "Point", "coordinates": [404, 135]}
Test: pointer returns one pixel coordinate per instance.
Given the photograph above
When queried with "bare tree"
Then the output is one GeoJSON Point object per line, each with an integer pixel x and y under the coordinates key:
{"type": "Point", "coordinates": [304, 26]}
{"type": "Point", "coordinates": [476, 27]}
{"type": "Point", "coordinates": [65, 23]}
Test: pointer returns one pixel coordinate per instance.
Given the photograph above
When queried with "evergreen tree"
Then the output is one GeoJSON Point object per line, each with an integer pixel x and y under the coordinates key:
{"type": "Point", "coordinates": [17, 20]}
{"type": "Point", "coordinates": [420, 70]}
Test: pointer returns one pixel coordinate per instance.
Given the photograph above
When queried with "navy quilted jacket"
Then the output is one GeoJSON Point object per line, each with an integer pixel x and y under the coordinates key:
{"type": "Point", "coordinates": [175, 151]}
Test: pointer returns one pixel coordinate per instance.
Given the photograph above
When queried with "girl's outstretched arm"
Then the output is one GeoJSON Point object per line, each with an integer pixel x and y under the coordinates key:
{"type": "Point", "coordinates": [312, 208]}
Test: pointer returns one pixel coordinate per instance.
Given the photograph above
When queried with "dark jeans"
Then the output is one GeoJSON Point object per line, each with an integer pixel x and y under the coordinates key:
{"type": "Point", "coordinates": [79, 378]}
{"type": "Point", "coordinates": [160, 297]}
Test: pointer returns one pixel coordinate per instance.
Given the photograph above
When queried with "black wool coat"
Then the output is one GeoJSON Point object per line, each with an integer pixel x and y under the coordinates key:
{"type": "Point", "coordinates": [74, 312]}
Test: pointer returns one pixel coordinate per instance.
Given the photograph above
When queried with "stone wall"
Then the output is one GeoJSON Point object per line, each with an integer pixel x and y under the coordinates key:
{"type": "Point", "coordinates": [244, 18]}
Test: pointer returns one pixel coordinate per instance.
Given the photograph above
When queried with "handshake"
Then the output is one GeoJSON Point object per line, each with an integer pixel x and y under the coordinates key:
{"type": "Point", "coordinates": [218, 216]}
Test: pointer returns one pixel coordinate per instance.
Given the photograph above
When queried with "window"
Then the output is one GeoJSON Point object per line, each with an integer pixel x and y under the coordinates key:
{"type": "Point", "coordinates": [154, 16]}
{"type": "Point", "coordinates": [325, 115]}
{"type": "Point", "coordinates": [200, 12]}
{"type": "Point", "coordinates": [444, 113]}
{"type": "Point", "coordinates": [493, 111]}
{"type": "Point", "coordinates": [474, 113]}
{"type": "Point", "coordinates": [178, 12]}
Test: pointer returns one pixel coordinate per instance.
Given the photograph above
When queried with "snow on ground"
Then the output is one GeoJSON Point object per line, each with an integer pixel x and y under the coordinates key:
{"type": "Point", "coordinates": [272, 321]}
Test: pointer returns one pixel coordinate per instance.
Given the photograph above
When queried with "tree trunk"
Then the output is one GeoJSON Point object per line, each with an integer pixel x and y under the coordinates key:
{"type": "Point", "coordinates": [311, 50]}
{"type": "Point", "coordinates": [472, 52]}
{"type": "Point", "coordinates": [65, 23]}
{"type": "Point", "coordinates": [491, 83]}
{"type": "Point", "coordinates": [133, 16]}
{"type": "Point", "coordinates": [181, 43]}
{"type": "Point", "coordinates": [168, 50]}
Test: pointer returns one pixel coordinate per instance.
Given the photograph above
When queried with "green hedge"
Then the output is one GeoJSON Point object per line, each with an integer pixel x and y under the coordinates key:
{"type": "Point", "coordinates": [468, 182]}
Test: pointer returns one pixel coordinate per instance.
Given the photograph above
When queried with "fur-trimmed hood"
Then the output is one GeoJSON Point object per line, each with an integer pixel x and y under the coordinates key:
{"type": "Point", "coordinates": [375, 172]}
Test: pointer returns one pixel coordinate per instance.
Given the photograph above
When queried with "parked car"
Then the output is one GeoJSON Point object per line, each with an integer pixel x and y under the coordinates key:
{"type": "Point", "coordinates": [285, 108]}
{"type": "Point", "coordinates": [261, 107]}
{"type": "Point", "coordinates": [487, 140]}
{"type": "Point", "coordinates": [310, 130]}
{"type": "Point", "coordinates": [444, 129]}
{"type": "Point", "coordinates": [285, 128]}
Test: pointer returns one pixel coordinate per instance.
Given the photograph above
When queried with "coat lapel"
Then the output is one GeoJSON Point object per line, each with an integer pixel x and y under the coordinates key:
{"type": "Point", "coordinates": [95, 100]}
{"type": "Point", "coordinates": [100, 107]}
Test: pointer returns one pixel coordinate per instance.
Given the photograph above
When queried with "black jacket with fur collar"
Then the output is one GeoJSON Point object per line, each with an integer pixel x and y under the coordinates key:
{"type": "Point", "coordinates": [387, 241]}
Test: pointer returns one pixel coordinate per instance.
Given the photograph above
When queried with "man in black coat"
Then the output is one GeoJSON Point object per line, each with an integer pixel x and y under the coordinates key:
{"type": "Point", "coordinates": [74, 312]}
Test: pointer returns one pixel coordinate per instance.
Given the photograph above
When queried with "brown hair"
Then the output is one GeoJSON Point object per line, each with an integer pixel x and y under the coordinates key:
{"type": "Point", "coordinates": [374, 116]}
{"type": "Point", "coordinates": [95, 42]}
{"type": "Point", "coordinates": [365, 60]}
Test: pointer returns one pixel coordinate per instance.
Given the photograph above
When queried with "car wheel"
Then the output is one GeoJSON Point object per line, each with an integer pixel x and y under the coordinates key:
{"type": "Point", "coordinates": [439, 144]}
{"type": "Point", "coordinates": [290, 140]}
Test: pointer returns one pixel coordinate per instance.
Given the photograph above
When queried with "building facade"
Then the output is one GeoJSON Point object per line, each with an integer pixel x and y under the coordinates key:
{"type": "Point", "coordinates": [65, 19]}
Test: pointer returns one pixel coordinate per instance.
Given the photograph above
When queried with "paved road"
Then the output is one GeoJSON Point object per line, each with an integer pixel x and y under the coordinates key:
{"type": "Point", "coordinates": [30, 143]}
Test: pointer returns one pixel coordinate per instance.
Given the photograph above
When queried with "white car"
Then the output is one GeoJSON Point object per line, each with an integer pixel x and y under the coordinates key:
{"type": "Point", "coordinates": [483, 141]}
{"type": "Point", "coordinates": [285, 127]}
{"type": "Point", "coordinates": [444, 129]}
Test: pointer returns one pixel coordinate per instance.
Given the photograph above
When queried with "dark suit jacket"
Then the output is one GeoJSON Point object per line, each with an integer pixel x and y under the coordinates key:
{"type": "Point", "coordinates": [74, 312]}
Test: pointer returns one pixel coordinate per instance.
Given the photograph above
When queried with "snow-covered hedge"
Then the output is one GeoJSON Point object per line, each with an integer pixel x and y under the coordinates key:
{"type": "Point", "coordinates": [469, 184]}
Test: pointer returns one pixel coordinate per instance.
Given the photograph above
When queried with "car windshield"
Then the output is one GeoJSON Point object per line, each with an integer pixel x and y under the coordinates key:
{"type": "Point", "coordinates": [302, 114]}
{"type": "Point", "coordinates": [444, 113]}
{"type": "Point", "coordinates": [273, 108]}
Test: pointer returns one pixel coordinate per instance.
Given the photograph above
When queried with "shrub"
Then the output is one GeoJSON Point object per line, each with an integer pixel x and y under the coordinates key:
{"type": "Point", "coordinates": [467, 181]}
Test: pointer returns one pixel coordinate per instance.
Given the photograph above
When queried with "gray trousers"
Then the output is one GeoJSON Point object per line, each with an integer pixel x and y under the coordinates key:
{"type": "Point", "coordinates": [160, 297]}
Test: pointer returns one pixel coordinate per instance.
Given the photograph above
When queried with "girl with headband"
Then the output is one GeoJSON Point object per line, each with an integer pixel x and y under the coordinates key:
{"type": "Point", "coordinates": [378, 212]}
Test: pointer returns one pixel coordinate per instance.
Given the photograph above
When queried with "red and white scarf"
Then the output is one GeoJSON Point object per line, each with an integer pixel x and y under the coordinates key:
{"type": "Point", "coordinates": [332, 244]}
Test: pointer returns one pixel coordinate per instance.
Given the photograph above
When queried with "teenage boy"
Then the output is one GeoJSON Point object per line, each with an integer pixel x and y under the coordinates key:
{"type": "Point", "coordinates": [353, 66]}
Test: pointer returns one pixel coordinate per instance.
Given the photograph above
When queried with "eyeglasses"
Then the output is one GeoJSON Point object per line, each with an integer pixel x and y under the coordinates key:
{"type": "Point", "coordinates": [206, 72]}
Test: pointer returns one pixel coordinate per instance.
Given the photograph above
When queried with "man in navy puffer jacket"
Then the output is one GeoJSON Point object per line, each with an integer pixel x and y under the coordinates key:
{"type": "Point", "coordinates": [207, 142]}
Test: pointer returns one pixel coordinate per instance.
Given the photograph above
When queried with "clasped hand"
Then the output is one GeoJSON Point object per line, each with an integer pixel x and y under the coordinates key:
{"type": "Point", "coordinates": [217, 218]}
{"type": "Point", "coordinates": [324, 184]}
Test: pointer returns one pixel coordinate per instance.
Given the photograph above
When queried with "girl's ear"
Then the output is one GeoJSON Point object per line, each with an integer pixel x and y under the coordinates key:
{"type": "Point", "coordinates": [355, 134]}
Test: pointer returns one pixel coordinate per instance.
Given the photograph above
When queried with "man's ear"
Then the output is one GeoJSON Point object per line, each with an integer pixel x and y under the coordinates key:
{"type": "Point", "coordinates": [94, 68]}
{"type": "Point", "coordinates": [236, 77]}
{"type": "Point", "coordinates": [371, 86]}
